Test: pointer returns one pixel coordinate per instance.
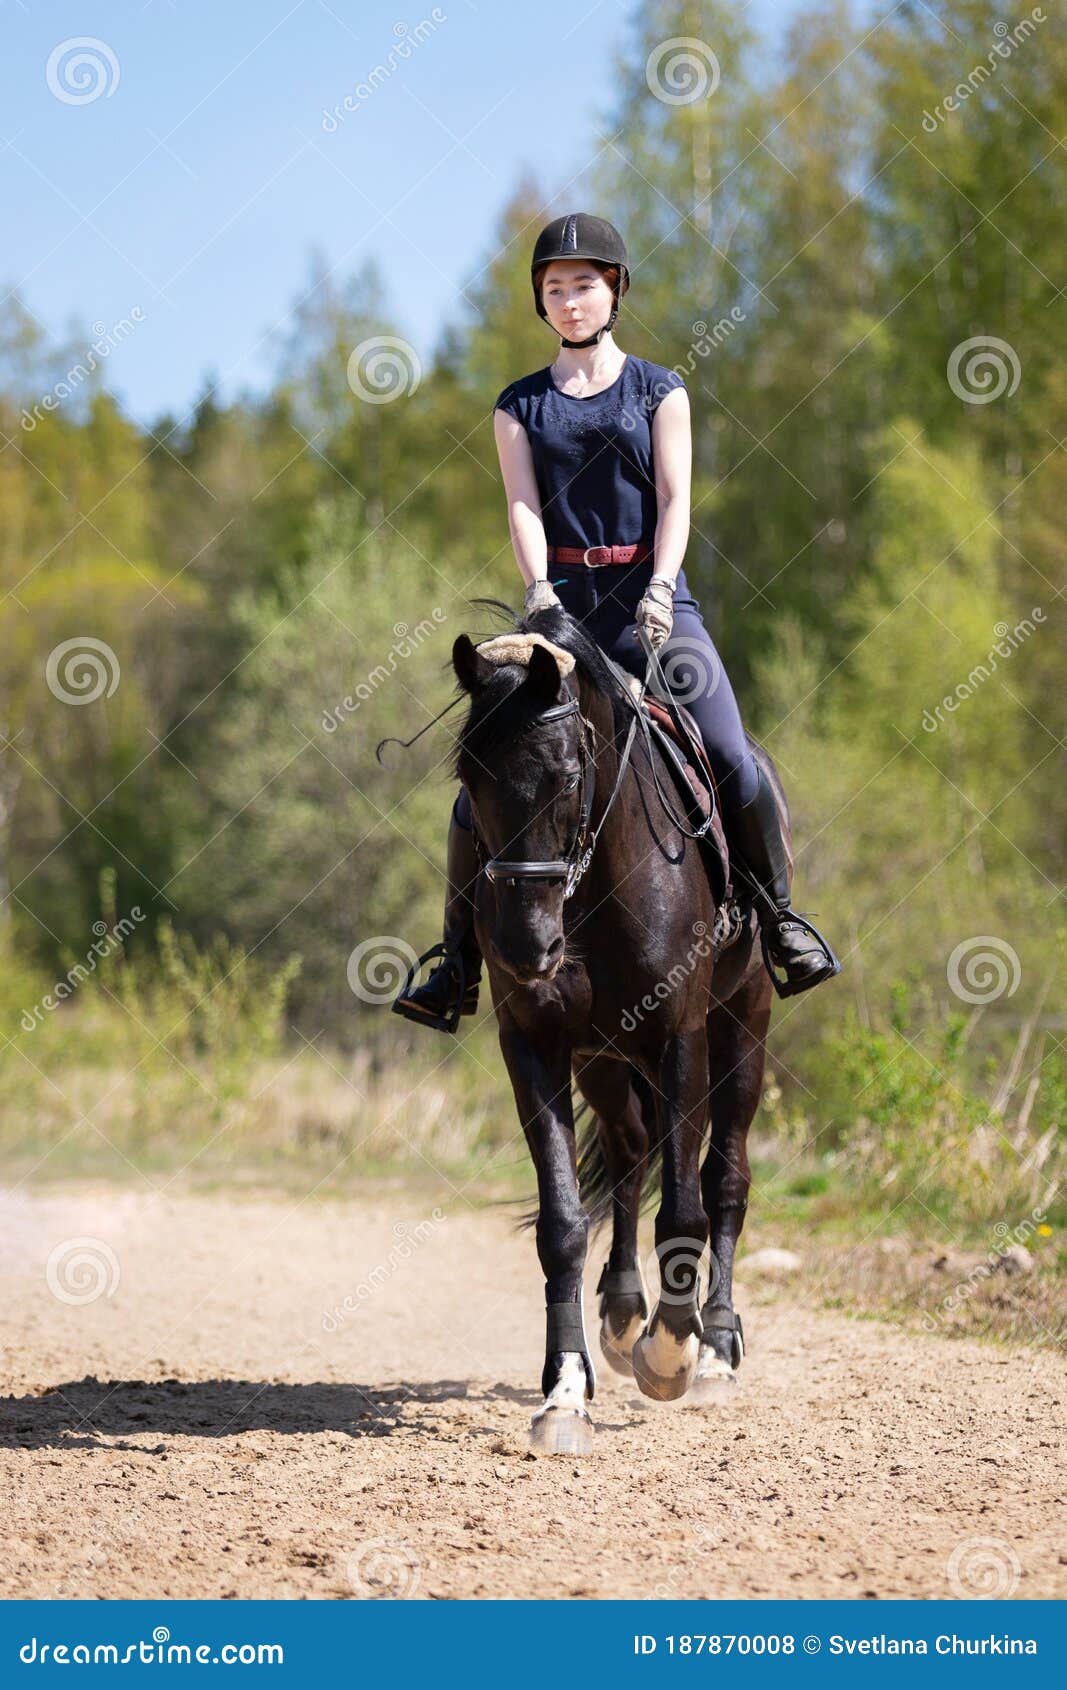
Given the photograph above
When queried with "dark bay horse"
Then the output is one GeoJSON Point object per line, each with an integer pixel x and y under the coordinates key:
{"type": "Point", "coordinates": [595, 915]}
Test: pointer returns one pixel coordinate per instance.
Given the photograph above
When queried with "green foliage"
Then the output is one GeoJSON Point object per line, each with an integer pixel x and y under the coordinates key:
{"type": "Point", "coordinates": [299, 838]}
{"type": "Point", "coordinates": [212, 1007]}
{"type": "Point", "coordinates": [152, 1054]}
{"type": "Point", "coordinates": [861, 533]}
{"type": "Point", "coordinates": [919, 1132]}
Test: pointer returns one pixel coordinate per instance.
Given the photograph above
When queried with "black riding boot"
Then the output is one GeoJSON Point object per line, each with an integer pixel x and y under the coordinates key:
{"type": "Point", "coordinates": [789, 941]}
{"type": "Point", "coordinates": [451, 989]}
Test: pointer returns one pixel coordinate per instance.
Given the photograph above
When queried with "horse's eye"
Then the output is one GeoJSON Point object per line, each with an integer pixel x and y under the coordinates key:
{"type": "Point", "coordinates": [573, 784]}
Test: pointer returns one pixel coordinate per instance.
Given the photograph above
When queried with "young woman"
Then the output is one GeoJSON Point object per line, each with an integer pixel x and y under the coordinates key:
{"type": "Point", "coordinates": [595, 452]}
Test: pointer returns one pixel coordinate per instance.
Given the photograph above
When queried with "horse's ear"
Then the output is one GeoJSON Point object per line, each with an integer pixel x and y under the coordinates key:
{"type": "Point", "coordinates": [472, 671]}
{"type": "Point", "coordinates": [543, 676]}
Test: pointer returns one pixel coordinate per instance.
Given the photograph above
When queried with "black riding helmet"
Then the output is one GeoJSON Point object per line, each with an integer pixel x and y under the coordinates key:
{"type": "Point", "coordinates": [579, 235]}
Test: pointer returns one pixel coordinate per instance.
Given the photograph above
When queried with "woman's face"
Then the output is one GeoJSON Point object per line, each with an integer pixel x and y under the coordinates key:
{"type": "Point", "coordinates": [576, 298]}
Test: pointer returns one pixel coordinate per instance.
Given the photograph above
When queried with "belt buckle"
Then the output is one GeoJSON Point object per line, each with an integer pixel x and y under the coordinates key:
{"type": "Point", "coordinates": [589, 564]}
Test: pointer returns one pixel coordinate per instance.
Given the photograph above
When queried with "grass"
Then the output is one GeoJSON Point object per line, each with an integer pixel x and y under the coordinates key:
{"type": "Point", "coordinates": [178, 1066]}
{"type": "Point", "coordinates": [919, 1270]}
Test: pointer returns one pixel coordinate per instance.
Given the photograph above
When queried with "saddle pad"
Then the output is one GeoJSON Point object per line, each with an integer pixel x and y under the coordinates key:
{"type": "Point", "coordinates": [693, 748]}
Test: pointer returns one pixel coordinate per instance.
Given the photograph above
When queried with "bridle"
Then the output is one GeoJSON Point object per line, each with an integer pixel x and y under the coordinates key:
{"type": "Point", "coordinates": [570, 869]}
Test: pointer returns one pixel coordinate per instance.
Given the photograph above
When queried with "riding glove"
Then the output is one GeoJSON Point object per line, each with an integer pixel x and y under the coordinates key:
{"type": "Point", "coordinates": [655, 610]}
{"type": "Point", "coordinates": [540, 595]}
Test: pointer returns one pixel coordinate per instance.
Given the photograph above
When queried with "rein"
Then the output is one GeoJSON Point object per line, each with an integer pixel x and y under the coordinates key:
{"type": "Point", "coordinates": [572, 867]}
{"type": "Point", "coordinates": [654, 668]}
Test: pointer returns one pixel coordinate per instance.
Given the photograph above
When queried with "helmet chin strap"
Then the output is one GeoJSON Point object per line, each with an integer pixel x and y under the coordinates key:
{"type": "Point", "coordinates": [594, 339]}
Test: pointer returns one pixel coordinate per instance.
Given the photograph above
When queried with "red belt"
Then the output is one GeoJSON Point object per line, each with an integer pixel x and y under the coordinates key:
{"type": "Point", "coordinates": [597, 556]}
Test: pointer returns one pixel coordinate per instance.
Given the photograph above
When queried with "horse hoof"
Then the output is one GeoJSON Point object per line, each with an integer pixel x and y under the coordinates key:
{"type": "Point", "coordinates": [715, 1382]}
{"type": "Point", "coordinates": [561, 1431]}
{"type": "Point", "coordinates": [650, 1353]}
{"type": "Point", "coordinates": [617, 1348]}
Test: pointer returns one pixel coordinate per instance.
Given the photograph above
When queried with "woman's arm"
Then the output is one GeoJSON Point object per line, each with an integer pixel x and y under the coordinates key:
{"type": "Point", "coordinates": [524, 501]}
{"type": "Point", "coordinates": [672, 457]}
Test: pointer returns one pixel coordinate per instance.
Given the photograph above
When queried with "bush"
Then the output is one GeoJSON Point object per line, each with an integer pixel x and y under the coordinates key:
{"type": "Point", "coordinates": [920, 1133]}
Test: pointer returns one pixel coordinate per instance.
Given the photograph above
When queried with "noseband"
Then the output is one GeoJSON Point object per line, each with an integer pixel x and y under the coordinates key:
{"type": "Point", "coordinates": [570, 868]}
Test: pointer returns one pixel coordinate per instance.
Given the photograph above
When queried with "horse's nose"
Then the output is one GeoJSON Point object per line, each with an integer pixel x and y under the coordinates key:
{"type": "Point", "coordinates": [538, 966]}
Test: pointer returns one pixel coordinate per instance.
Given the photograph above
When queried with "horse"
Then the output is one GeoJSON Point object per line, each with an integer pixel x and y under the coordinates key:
{"type": "Point", "coordinates": [595, 913]}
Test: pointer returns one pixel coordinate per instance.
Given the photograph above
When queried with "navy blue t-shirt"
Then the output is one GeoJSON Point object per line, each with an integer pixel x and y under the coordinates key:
{"type": "Point", "coordinates": [593, 457]}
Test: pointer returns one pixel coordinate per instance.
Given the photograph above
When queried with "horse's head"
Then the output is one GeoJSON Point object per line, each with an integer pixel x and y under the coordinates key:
{"type": "Point", "coordinates": [525, 756]}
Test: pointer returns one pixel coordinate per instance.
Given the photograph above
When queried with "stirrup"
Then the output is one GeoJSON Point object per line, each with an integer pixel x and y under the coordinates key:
{"type": "Point", "coordinates": [785, 987]}
{"type": "Point", "coordinates": [443, 1023]}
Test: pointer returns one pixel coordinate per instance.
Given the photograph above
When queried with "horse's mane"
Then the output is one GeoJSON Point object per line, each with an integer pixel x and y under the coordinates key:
{"type": "Point", "coordinates": [499, 710]}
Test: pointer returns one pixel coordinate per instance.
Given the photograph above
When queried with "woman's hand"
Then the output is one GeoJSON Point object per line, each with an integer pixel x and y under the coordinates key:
{"type": "Point", "coordinates": [655, 611]}
{"type": "Point", "coordinates": [540, 595]}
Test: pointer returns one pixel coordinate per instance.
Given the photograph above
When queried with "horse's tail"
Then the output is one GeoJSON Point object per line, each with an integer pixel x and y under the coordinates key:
{"type": "Point", "coordinates": [594, 1181]}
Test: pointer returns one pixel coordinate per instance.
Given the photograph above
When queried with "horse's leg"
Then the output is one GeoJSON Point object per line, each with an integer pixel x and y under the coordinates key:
{"type": "Point", "coordinates": [665, 1359]}
{"type": "Point", "coordinates": [737, 1053]}
{"type": "Point", "coordinates": [540, 1071]}
{"type": "Point", "coordinates": [605, 1083]}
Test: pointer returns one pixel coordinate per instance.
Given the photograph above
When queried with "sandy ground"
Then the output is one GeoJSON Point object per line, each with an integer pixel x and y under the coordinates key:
{"type": "Point", "coordinates": [191, 1408]}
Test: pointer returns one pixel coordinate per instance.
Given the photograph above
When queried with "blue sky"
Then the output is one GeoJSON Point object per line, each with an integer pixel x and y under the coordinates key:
{"type": "Point", "coordinates": [195, 189]}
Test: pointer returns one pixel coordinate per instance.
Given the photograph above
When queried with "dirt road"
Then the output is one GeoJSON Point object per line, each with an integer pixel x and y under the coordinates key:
{"type": "Point", "coordinates": [264, 1398]}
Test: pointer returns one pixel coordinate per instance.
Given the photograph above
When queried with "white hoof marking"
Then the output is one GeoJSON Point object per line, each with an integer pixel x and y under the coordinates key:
{"type": "Point", "coordinates": [664, 1365]}
{"type": "Point", "coordinates": [712, 1367]}
{"type": "Point", "coordinates": [562, 1425]}
{"type": "Point", "coordinates": [569, 1390]}
{"type": "Point", "coordinates": [715, 1380]}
